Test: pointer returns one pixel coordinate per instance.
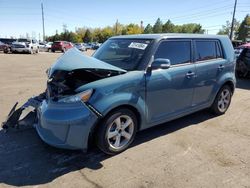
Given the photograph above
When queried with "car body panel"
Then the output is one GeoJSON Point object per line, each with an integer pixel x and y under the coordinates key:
{"type": "Point", "coordinates": [169, 92]}
{"type": "Point", "coordinates": [58, 127]}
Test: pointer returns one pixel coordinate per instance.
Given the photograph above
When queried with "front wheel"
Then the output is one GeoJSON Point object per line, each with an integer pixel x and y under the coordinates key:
{"type": "Point", "coordinates": [222, 100]}
{"type": "Point", "coordinates": [117, 131]}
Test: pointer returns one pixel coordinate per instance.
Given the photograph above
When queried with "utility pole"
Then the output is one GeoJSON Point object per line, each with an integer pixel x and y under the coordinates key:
{"type": "Point", "coordinates": [43, 22]}
{"type": "Point", "coordinates": [116, 26]}
{"type": "Point", "coordinates": [232, 24]}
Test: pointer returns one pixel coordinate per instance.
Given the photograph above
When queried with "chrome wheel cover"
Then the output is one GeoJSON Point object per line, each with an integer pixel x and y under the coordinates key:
{"type": "Point", "coordinates": [224, 100]}
{"type": "Point", "coordinates": [120, 132]}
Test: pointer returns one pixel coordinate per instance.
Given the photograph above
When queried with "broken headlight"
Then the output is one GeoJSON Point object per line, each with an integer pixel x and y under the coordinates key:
{"type": "Point", "coordinates": [83, 96]}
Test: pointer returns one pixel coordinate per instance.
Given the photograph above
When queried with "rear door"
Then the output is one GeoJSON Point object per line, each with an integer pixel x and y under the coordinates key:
{"type": "Point", "coordinates": [169, 92]}
{"type": "Point", "coordinates": [210, 66]}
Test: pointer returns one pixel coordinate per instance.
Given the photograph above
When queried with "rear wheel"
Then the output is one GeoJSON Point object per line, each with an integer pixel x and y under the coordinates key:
{"type": "Point", "coordinates": [222, 100]}
{"type": "Point", "coordinates": [117, 131]}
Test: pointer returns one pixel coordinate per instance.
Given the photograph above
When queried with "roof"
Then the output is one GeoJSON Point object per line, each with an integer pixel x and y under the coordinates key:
{"type": "Point", "coordinates": [167, 35]}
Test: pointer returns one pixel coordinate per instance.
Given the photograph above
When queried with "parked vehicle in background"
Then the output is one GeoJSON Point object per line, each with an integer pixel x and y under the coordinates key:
{"type": "Point", "coordinates": [237, 52]}
{"type": "Point", "coordinates": [25, 45]}
{"type": "Point", "coordinates": [96, 46]}
{"type": "Point", "coordinates": [61, 46]}
{"type": "Point", "coordinates": [2, 46]}
{"type": "Point", "coordinates": [80, 46]}
{"type": "Point", "coordinates": [7, 44]}
{"type": "Point", "coordinates": [243, 63]}
{"type": "Point", "coordinates": [43, 46]}
{"type": "Point", "coordinates": [132, 83]}
{"type": "Point", "coordinates": [88, 46]}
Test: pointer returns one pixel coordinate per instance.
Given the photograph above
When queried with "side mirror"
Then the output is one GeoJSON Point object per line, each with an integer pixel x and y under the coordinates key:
{"type": "Point", "coordinates": [160, 63]}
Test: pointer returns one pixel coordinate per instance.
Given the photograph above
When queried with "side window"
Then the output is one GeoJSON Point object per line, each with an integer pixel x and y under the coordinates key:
{"type": "Point", "coordinates": [206, 50]}
{"type": "Point", "coordinates": [219, 53]}
{"type": "Point", "coordinates": [178, 52]}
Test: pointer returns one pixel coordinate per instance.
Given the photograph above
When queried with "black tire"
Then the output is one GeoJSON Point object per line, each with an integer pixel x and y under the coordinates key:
{"type": "Point", "coordinates": [7, 50]}
{"type": "Point", "coordinates": [216, 106]}
{"type": "Point", "coordinates": [53, 51]}
{"type": "Point", "coordinates": [101, 136]}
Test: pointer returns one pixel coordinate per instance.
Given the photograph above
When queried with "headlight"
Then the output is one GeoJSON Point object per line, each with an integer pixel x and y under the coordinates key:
{"type": "Point", "coordinates": [84, 97]}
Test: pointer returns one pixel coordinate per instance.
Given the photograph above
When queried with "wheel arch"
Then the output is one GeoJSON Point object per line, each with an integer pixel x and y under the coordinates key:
{"type": "Point", "coordinates": [97, 124]}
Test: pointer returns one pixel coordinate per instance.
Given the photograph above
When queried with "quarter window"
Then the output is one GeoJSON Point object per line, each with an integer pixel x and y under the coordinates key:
{"type": "Point", "coordinates": [178, 52]}
{"type": "Point", "coordinates": [206, 50]}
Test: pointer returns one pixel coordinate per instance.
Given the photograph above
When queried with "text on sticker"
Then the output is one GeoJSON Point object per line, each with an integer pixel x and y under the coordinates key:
{"type": "Point", "coordinates": [137, 45]}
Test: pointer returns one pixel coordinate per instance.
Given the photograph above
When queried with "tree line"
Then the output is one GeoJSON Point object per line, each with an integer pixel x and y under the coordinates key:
{"type": "Point", "coordinates": [241, 30]}
{"type": "Point", "coordinates": [102, 34]}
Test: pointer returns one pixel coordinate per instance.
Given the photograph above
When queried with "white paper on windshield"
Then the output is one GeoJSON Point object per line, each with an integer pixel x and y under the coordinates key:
{"type": "Point", "coordinates": [137, 45]}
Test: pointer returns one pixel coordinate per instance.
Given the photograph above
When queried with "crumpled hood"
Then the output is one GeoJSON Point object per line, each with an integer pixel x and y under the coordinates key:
{"type": "Point", "coordinates": [74, 59]}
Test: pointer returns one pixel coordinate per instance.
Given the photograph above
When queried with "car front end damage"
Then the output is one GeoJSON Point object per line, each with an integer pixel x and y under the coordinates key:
{"type": "Point", "coordinates": [63, 117]}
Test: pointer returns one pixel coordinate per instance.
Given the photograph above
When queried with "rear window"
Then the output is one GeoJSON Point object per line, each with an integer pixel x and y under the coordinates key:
{"type": "Point", "coordinates": [56, 43]}
{"type": "Point", "coordinates": [178, 52]}
{"type": "Point", "coordinates": [206, 50]}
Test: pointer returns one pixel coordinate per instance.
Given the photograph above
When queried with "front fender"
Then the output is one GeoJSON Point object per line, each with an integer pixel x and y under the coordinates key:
{"type": "Point", "coordinates": [110, 102]}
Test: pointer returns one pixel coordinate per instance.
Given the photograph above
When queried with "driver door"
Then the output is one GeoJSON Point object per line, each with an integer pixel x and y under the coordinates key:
{"type": "Point", "coordinates": [169, 92]}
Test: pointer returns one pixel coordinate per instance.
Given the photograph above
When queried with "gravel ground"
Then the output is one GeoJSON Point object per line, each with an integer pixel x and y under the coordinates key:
{"type": "Point", "coordinates": [199, 150]}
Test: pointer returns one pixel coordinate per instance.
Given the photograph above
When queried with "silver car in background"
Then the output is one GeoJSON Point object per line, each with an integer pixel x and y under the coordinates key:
{"type": "Point", "coordinates": [80, 46]}
{"type": "Point", "coordinates": [25, 45]}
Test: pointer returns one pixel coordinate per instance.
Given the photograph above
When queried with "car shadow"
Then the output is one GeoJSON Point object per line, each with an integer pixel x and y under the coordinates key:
{"type": "Point", "coordinates": [243, 83]}
{"type": "Point", "coordinates": [26, 160]}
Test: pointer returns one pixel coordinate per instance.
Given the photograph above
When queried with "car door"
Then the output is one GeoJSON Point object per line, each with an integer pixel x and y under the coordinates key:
{"type": "Point", "coordinates": [169, 92]}
{"type": "Point", "coordinates": [210, 66]}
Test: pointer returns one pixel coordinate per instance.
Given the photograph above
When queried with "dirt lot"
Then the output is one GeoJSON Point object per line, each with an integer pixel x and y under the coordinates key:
{"type": "Point", "coordinates": [199, 150]}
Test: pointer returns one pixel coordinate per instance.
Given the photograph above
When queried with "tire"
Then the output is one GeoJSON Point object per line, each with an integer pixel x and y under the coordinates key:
{"type": "Point", "coordinates": [63, 50]}
{"type": "Point", "coordinates": [113, 134]}
{"type": "Point", "coordinates": [6, 51]}
{"type": "Point", "coordinates": [222, 101]}
{"type": "Point", "coordinates": [53, 51]}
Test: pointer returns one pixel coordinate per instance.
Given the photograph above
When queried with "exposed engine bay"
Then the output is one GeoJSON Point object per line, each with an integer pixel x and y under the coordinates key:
{"type": "Point", "coordinates": [61, 83]}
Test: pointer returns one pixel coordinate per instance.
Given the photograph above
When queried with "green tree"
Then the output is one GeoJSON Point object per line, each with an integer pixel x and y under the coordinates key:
{"type": "Point", "coordinates": [88, 36]}
{"type": "Point", "coordinates": [225, 30]}
{"type": "Point", "coordinates": [191, 28]}
{"type": "Point", "coordinates": [168, 27]}
{"type": "Point", "coordinates": [157, 28]}
{"type": "Point", "coordinates": [133, 29]}
{"type": "Point", "coordinates": [148, 29]}
{"type": "Point", "coordinates": [244, 29]}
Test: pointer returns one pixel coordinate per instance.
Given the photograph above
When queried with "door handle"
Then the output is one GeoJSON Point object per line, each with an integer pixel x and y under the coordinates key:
{"type": "Point", "coordinates": [221, 67]}
{"type": "Point", "coordinates": [190, 74]}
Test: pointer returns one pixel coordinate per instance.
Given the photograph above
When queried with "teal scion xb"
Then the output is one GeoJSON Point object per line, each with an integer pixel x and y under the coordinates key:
{"type": "Point", "coordinates": [132, 83]}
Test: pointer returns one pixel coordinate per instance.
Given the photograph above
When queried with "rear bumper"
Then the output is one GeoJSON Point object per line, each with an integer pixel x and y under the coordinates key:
{"type": "Point", "coordinates": [65, 125]}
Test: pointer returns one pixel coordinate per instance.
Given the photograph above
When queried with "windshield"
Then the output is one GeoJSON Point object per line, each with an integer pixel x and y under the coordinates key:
{"type": "Point", "coordinates": [123, 53]}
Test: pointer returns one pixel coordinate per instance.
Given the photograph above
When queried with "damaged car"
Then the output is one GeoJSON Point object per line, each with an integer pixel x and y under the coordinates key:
{"type": "Point", "coordinates": [129, 84]}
